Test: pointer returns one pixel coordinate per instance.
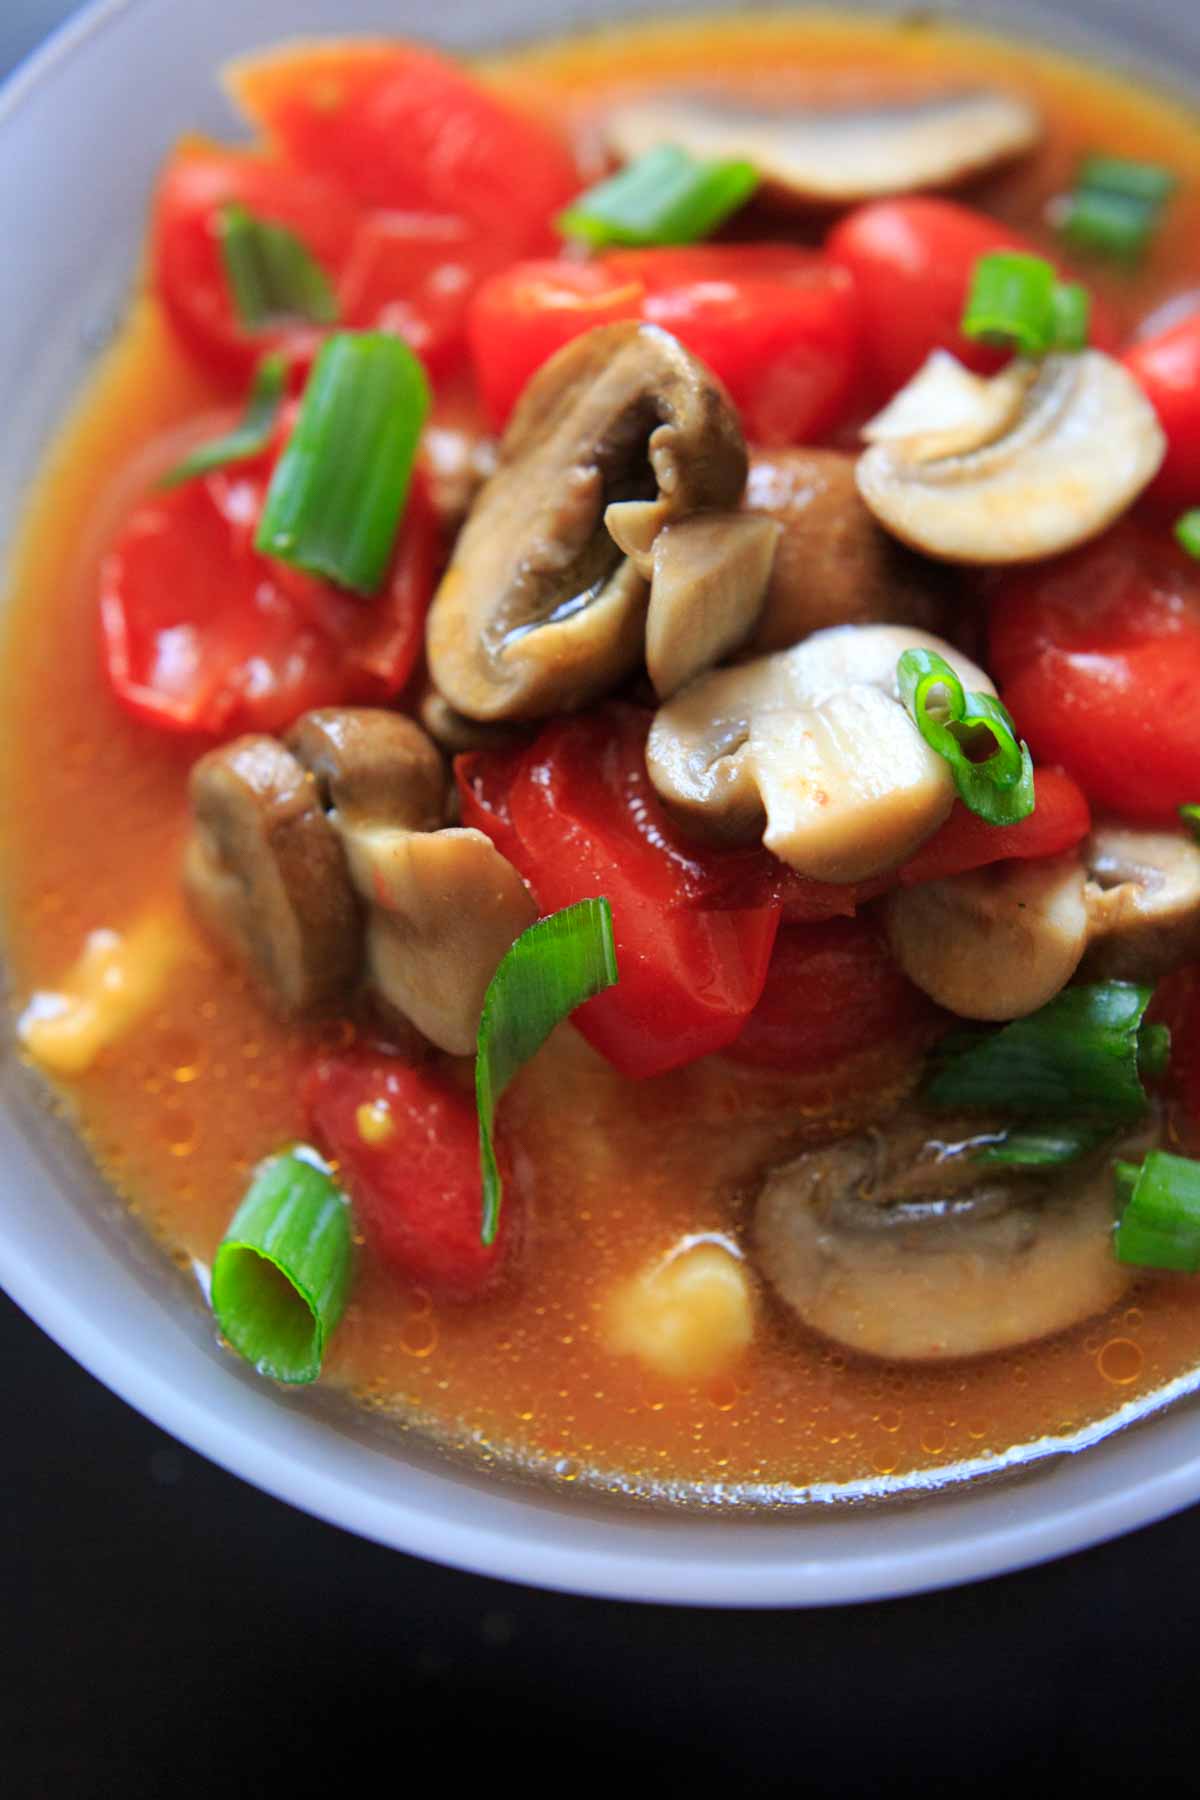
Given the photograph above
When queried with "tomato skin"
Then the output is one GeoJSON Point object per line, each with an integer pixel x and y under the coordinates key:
{"type": "Point", "coordinates": [832, 990]}
{"type": "Point", "coordinates": [418, 1195]}
{"type": "Point", "coordinates": [404, 129]}
{"type": "Point", "coordinates": [414, 274]}
{"type": "Point", "coordinates": [778, 325]}
{"type": "Point", "coordinates": [912, 261]}
{"type": "Point", "coordinates": [200, 634]}
{"type": "Point", "coordinates": [1168, 369]}
{"type": "Point", "coordinates": [1061, 818]}
{"type": "Point", "coordinates": [188, 274]}
{"type": "Point", "coordinates": [1097, 655]}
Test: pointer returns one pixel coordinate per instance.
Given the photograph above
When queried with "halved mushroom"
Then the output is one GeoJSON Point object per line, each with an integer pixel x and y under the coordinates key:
{"type": "Point", "coordinates": [833, 564]}
{"type": "Point", "coordinates": [454, 734]}
{"type": "Point", "coordinates": [264, 870]}
{"type": "Point", "coordinates": [445, 906]}
{"type": "Point", "coordinates": [1036, 460]}
{"type": "Point", "coordinates": [835, 154]}
{"type": "Point", "coordinates": [1143, 902]}
{"type": "Point", "coordinates": [543, 605]}
{"type": "Point", "coordinates": [900, 1244]}
{"type": "Point", "coordinates": [371, 765]}
{"type": "Point", "coordinates": [996, 943]}
{"type": "Point", "coordinates": [707, 589]}
{"type": "Point", "coordinates": [811, 749]}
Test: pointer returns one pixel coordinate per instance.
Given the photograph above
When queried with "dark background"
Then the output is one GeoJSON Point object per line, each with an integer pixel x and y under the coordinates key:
{"type": "Point", "coordinates": [166, 1631]}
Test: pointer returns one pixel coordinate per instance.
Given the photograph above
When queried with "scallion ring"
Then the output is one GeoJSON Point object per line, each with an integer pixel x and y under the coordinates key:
{"type": "Point", "coordinates": [665, 197]}
{"type": "Point", "coordinates": [1159, 1226]}
{"type": "Point", "coordinates": [1017, 301]}
{"type": "Point", "coordinates": [1116, 206]}
{"type": "Point", "coordinates": [997, 787]}
{"type": "Point", "coordinates": [271, 274]}
{"type": "Point", "coordinates": [1187, 531]}
{"type": "Point", "coordinates": [249, 437]}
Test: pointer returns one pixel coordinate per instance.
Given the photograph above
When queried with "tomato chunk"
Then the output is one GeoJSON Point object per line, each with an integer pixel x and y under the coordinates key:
{"type": "Point", "coordinates": [1061, 818]}
{"type": "Point", "coordinates": [1098, 657]}
{"type": "Point", "coordinates": [404, 129]}
{"type": "Point", "coordinates": [1168, 368]}
{"type": "Point", "coordinates": [832, 990]}
{"type": "Point", "coordinates": [413, 274]}
{"type": "Point", "coordinates": [406, 1142]}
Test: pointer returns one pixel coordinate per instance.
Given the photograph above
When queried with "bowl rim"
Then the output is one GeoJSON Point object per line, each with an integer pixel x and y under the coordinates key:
{"type": "Point", "coordinates": [871, 1572]}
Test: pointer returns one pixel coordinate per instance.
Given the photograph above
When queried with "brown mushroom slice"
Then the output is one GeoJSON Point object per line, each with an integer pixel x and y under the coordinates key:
{"type": "Point", "coordinates": [1143, 902]}
{"type": "Point", "coordinates": [1060, 448]}
{"type": "Point", "coordinates": [708, 586]}
{"type": "Point", "coordinates": [454, 734]}
{"type": "Point", "coordinates": [899, 1244]}
{"type": "Point", "coordinates": [373, 765]}
{"type": "Point", "coordinates": [264, 870]}
{"type": "Point", "coordinates": [811, 750]}
{"type": "Point", "coordinates": [446, 907]}
{"type": "Point", "coordinates": [833, 564]}
{"type": "Point", "coordinates": [836, 154]}
{"type": "Point", "coordinates": [995, 943]}
{"type": "Point", "coordinates": [543, 605]}
{"type": "Point", "coordinates": [457, 462]}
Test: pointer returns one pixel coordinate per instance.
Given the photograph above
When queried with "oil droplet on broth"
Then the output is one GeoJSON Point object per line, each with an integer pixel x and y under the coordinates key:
{"type": "Point", "coordinates": [1120, 1361]}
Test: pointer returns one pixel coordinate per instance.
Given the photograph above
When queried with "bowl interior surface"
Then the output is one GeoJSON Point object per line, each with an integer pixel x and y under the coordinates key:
{"type": "Point", "coordinates": [82, 129]}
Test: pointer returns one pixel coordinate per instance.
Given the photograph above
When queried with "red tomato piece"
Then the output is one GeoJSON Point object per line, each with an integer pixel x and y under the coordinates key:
{"type": "Point", "coordinates": [188, 273]}
{"type": "Point", "coordinates": [1060, 819]}
{"type": "Point", "coordinates": [202, 634]}
{"type": "Point", "coordinates": [413, 274]}
{"type": "Point", "coordinates": [413, 1176]}
{"type": "Point", "coordinates": [912, 261]}
{"type": "Point", "coordinates": [1098, 657]}
{"type": "Point", "coordinates": [779, 325]}
{"type": "Point", "coordinates": [404, 129]}
{"type": "Point", "coordinates": [832, 990]}
{"type": "Point", "coordinates": [1168, 368]}
{"type": "Point", "coordinates": [484, 779]}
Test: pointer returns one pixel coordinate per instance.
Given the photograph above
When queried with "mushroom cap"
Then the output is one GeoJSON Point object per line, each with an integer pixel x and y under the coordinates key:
{"type": "Point", "coordinates": [834, 154]}
{"type": "Point", "coordinates": [371, 764]}
{"type": "Point", "coordinates": [1022, 466]}
{"type": "Point", "coordinates": [997, 942]}
{"type": "Point", "coordinates": [898, 1244]}
{"type": "Point", "coordinates": [709, 582]}
{"type": "Point", "coordinates": [834, 565]}
{"type": "Point", "coordinates": [542, 607]}
{"type": "Point", "coordinates": [1143, 902]}
{"type": "Point", "coordinates": [811, 749]}
{"type": "Point", "coordinates": [265, 871]}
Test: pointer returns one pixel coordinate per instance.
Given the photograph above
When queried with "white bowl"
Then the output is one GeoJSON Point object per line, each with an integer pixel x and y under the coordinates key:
{"type": "Point", "coordinates": [82, 128]}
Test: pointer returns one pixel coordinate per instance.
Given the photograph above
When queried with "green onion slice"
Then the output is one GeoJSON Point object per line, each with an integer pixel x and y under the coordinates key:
{"type": "Point", "coordinates": [1017, 301]}
{"type": "Point", "coordinates": [1190, 814]}
{"type": "Point", "coordinates": [664, 197]}
{"type": "Point", "coordinates": [1071, 305]}
{"type": "Point", "coordinates": [1187, 531]}
{"type": "Point", "coordinates": [249, 437]}
{"type": "Point", "coordinates": [271, 273]}
{"type": "Point", "coordinates": [1116, 205]}
{"type": "Point", "coordinates": [1044, 1147]}
{"type": "Point", "coordinates": [550, 970]}
{"type": "Point", "coordinates": [282, 1271]}
{"type": "Point", "coordinates": [998, 787]}
{"type": "Point", "coordinates": [1160, 1225]}
{"type": "Point", "coordinates": [338, 493]}
{"type": "Point", "coordinates": [1080, 1055]}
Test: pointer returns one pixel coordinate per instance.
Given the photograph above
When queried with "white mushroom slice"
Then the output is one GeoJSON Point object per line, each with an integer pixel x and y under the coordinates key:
{"type": "Point", "coordinates": [709, 581]}
{"type": "Point", "coordinates": [946, 409]}
{"type": "Point", "coordinates": [835, 154]}
{"type": "Point", "coordinates": [1077, 450]}
{"type": "Point", "coordinates": [445, 906]}
{"type": "Point", "coordinates": [996, 943]}
{"type": "Point", "coordinates": [1143, 902]}
{"type": "Point", "coordinates": [899, 1244]}
{"type": "Point", "coordinates": [812, 749]}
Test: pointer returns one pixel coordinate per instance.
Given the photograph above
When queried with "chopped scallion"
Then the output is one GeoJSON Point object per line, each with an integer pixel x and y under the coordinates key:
{"type": "Point", "coordinates": [997, 787]}
{"type": "Point", "coordinates": [1116, 206]}
{"type": "Point", "coordinates": [272, 275]}
{"type": "Point", "coordinates": [338, 493]}
{"type": "Point", "coordinates": [1079, 1056]}
{"type": "Point", "coordinates": [550, 970]}
{"type": "Point", "coordinates": [1189, 812]}
{"type": "Point", "coordinates": [1017, 301]}
{"type": "Point", "coordinates": [1187, 531]}
{"type": "Point", "coordinates": [282, 1271]}
{"type": "Point", "coordinates": [664, 197]}
{"type": "Point", "coordinates": [249, 437]}
{"type": "Point", "coordinates": [1072, 308]}
{"type": "Point", "coordinates": [1045, 1148]}
{"type": "Point", "coordinates": [1159, 1227]}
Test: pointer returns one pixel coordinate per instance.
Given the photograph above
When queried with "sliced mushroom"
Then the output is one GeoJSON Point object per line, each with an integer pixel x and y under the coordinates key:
{"type": "Point", "coordinates": [833, 565]}
{"type": "Point", "coordinates": [1047, 457]}
{"type": "Point", "coordinates": [1143, 902]}
{"type": "Point", "coordinates": [454, 734]}
{"type": "Point", "coordinates": [371, 765]}
{"type": "Point", "coordinates": [264, 870]}
{"type": "Point", "coordinates": [812, 750]}
{"type": "Point", "coordinates": [900, 1244]}
{"type": "Point", "coordinates": [996, 943]}
{"type": "Point", "coordinates": [543, 605]}
{"type": "Point", "coordinates": [835, 154]}
{"type": "Point", "coordinates": [707, 589]}
{"type": "Point", "coordinates": [445, 907]}
{"type": "Point", "coordinates": [458, 461]}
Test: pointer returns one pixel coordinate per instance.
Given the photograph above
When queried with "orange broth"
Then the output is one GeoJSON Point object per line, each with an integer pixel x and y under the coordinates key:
{"type": "Point", "coordinates": [93, 812]}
